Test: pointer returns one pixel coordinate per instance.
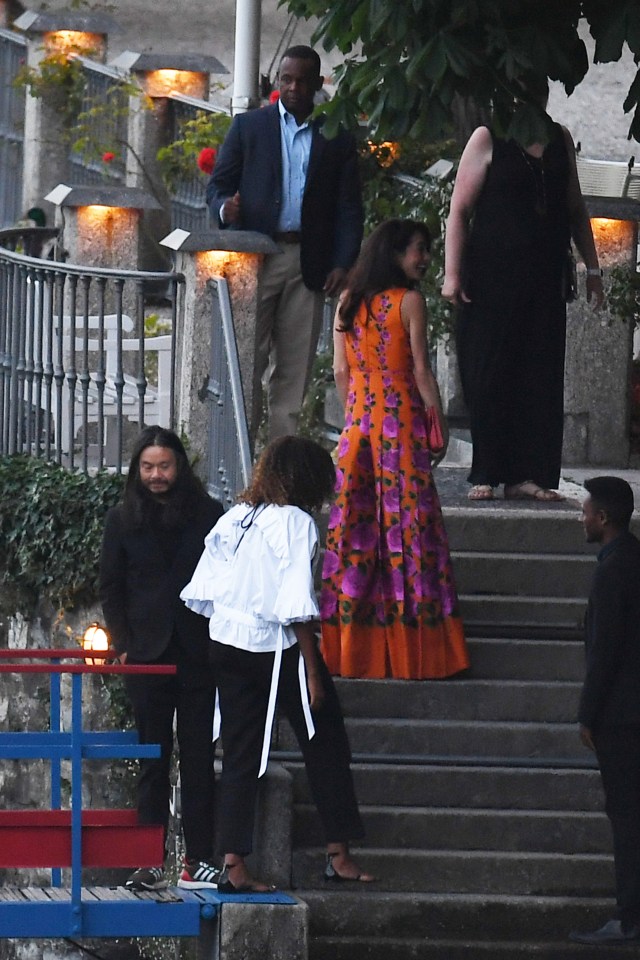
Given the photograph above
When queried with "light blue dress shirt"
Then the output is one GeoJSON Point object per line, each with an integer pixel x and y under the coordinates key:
{"type": "Point", "coordinates": [296, 148]}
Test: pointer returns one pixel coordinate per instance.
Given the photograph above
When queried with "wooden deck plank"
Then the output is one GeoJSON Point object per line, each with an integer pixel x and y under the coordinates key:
{"type": "Point", "coordinates": [159, 896]}
{"type": "Point", "coordinates": [106, 894]}
{"type": "Point", "coordinates": [35, 894]}
{"type": "Point", "coordinates": [59, 894]}
{"type": "Point", "coordinates": [11, 895]}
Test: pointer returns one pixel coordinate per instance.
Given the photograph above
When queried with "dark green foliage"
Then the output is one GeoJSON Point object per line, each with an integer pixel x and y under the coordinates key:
{"type": "Point", "coordinates": [424, 199]}
{"type": "Point", "coordinates": [623, 294]}
{"type": "Point", "coordinates": [406, 63]}
{"type": "Point", "coordinates": [51, 524]}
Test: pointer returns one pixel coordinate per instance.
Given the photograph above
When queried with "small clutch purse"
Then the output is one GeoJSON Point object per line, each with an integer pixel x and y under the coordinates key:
{"type": "Point", "coordinates": [434, 431]}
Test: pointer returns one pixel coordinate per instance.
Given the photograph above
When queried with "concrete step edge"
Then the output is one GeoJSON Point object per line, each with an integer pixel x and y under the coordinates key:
{"type": "Point", "coordinates": [476, 812]}
{"type": "Point", "coordinates": [533, 901]}
{"type": "Point", "coordinates": [507, 855]}
{"type": "Point", "coordinates": [408, 687]}
{"type": "Point", "coordinates": [517, 598]}
{"type": "Point", "coordinates": [586, 559]}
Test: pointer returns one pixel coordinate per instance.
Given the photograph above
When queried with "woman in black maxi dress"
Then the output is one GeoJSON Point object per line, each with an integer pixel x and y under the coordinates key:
{"type": "Point", "coordinates": [506, 273]}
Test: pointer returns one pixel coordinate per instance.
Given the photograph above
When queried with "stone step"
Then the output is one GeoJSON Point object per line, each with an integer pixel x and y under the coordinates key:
{"type": "Point", "coordinates": [484, 787]}
{"type": "Point", "coordinates": [461, 699]}
{"type": "Point", "coordinates": [472, 871]}
{"type": "Point", "coordinates": [396, 948]}
{"type": "Point", "coordinates": [491, 741]}
{"type": "Point", "coordinates": [461, 828]}
{"type": "Point", "coordinates": [523, 574]}
{"type": "Point", "coordinates": [350, 910]}
{"type": "Point", "coordinates": [522, 529]}
{"type": "Point", "coordinates": [493, 658]}
{"type": "Point", "coordinates": [537, 613]}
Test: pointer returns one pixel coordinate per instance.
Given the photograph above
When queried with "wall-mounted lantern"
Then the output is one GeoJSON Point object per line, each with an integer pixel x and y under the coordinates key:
{"type": "Point", "coordinates": [161, 74]}
{"type": "Point", "coordinates": [95, 639]}
{"type": "Point", "coordinates": [101, 223]}
{"type": "Point", "coordinates": [68, 32]}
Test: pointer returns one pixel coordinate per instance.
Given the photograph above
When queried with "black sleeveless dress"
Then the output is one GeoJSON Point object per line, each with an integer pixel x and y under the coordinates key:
{"type": "Point", "coordinates": [511, 337]}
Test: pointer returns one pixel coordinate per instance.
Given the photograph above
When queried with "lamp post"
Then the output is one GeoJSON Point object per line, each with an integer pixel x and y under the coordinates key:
{"type": "Point", "coordinates": [247, 55]}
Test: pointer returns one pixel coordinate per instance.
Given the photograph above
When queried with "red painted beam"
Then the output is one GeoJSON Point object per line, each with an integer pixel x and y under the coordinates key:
{"type": "Point", "coordinates": [110, 838]}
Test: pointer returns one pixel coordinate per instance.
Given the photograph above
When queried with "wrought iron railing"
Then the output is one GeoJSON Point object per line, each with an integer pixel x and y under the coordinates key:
{"type": "Point", "coordinates": [12, 104]}
{"type": "Point", "coordinates": [104, 117]}
{"type": "Point", "coordinates": [188, 205]}
{"type": "Point", "coordinates": [78, 377]}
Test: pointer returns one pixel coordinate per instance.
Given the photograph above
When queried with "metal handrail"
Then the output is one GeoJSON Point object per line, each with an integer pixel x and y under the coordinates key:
{"type": "Point", "coordinates": [69, 374]}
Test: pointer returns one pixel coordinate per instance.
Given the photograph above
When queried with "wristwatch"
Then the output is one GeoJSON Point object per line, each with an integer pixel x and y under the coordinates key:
{"type": "Point", "coordinates": [594, 272]}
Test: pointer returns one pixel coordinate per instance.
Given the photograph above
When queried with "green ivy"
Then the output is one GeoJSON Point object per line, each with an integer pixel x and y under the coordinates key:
{"type": "Point", "coordinates": [59, 80]}
{"type": "Point", "coordinates": [623, 294]}
{"type": "Point", "coordinates": [311, 423]}
{"type": "Point", "coordinates": [50, 532]}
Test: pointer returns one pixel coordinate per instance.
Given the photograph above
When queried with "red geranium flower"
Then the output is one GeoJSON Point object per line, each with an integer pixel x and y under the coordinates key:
{"type": "Point", "coordinates": [274, 96]}
{"type": "Point", "coordinates": [107, 157]}
{"type": "Point", "coordinates": [207, 159]}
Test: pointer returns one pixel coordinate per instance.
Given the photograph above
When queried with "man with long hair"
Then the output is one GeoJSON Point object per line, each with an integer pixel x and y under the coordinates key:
{"type": "Point", "coordinates": [152, 543]}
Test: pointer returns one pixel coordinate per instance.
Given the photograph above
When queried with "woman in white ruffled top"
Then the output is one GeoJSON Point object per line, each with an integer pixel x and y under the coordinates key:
{"type": "Point", "coordinates": [255, 583]}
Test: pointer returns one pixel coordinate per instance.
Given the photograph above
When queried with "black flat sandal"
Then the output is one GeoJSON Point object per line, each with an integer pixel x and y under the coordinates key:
{"type": "Point", "coordinates": [225, 885]}
{"type": "Point", "coordinates": [331, 875]}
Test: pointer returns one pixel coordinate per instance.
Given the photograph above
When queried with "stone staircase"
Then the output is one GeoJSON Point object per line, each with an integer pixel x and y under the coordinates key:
{"type": "Point", "coordinates": [483, 811]}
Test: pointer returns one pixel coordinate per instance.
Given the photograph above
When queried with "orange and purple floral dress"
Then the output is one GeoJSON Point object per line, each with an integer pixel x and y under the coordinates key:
{"type": "Point", "coordinates": [389, 606]}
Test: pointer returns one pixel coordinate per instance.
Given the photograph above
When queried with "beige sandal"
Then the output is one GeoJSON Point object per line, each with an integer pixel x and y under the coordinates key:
{"type": "Point", "coordinates": [481, 491]}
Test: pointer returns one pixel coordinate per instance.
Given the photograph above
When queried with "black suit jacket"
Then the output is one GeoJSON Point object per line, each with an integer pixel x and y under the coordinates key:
{"type": "Point", "coordinates": [611, 691]}
{"type": "Point", "coordinates": [250, 161]}
{"type": "Point", "coordinates": [141, 577]}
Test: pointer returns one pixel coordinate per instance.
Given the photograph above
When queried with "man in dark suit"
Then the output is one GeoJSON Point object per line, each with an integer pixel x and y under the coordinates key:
{"type": "Point", "coordinates": [277, 174]}
{"type": "Point", "coordinates": [152, 543]}
{"type": "Point", "coordinates": [609, 713]}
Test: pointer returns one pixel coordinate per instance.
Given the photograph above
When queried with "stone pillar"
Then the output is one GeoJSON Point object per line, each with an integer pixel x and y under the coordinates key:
{"type": "Point", "coordinates": [599, 350]}
{"type": "Point", "coordinates": [236, 256]}
{"type": "Point", "coordinates": [150, 128]}
{"type": "Point", "coordinates": [48, 119]}
{"type": "Point", "coordinates": [448, 376]}
{"type": "Point", "coordinates": [101, 228]}
{"type": "Point", "coordinates": [256, 931]}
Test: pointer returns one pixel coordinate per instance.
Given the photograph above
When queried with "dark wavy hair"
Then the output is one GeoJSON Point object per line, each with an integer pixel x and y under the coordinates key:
{"type": "Point", "coordinates": [140, 506]}
{"type": "Point", "coordinates": [292, 471]}
{"type": "Point", "coordinates": [377, 267]}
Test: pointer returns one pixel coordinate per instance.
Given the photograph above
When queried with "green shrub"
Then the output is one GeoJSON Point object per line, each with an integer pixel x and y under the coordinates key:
{"type": "Point", "coordinates": [51, 524]}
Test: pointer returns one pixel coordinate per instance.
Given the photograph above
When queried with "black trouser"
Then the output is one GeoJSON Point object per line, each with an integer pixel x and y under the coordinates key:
{"type": "Point", "coordinates": [190, 695]}
{"type": "Point", "coordinates": [618, 752]}
{"type": "Point", "coordinates": [243, 684]}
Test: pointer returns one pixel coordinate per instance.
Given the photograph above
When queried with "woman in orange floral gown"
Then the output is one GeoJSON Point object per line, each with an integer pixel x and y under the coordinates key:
{"type": "Point", "coordinates": [388, 604]}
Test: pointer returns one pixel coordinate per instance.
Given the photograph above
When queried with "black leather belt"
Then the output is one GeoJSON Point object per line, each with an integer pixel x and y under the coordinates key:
{"type": "Point", "coordinates": [289, 236]}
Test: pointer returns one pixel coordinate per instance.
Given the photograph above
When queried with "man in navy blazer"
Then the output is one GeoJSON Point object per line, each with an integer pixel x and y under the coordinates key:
{"type": "Point", "coordinates": [277, 174]}
{"type": "Point", "coordinates": [609, 712]}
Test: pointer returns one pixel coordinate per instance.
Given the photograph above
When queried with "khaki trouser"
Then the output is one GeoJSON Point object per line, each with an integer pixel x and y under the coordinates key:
{"type": "Point", "coordinates": [288, 324]}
